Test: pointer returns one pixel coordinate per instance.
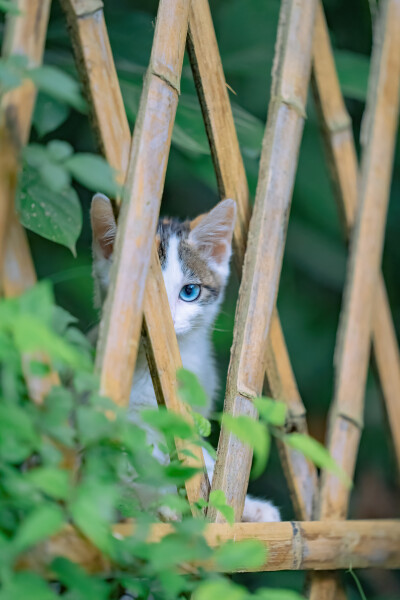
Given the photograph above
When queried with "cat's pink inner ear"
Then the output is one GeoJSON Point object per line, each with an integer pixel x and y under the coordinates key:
{"type": "Point", "coordinates": [103, 224]}
{"type": "Point", "coordinates": [212, 233]}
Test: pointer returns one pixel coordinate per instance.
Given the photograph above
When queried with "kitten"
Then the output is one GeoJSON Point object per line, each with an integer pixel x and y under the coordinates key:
{"type": "Point", "coordinates": [194, 257]}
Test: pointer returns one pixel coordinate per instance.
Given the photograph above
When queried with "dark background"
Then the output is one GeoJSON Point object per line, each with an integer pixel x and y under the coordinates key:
{"type": "Point", "coordinates": [314, 266]}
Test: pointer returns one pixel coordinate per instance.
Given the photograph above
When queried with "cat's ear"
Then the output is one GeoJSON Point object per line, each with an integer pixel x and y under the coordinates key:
{"type": "Point", "coordinates": [104, 227]}
{"type": "Point", "coordinates": [212, 233]}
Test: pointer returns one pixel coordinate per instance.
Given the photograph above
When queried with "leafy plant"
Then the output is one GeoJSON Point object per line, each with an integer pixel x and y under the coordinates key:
{"type": "Point", "coordinates": [46, 201]}
{"type": "Point", "coordinates": [39, 495]}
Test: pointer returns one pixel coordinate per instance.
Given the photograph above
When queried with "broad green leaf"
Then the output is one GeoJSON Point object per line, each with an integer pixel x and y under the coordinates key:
{"type": "Point", "coordinates": [271, 411]}
{"type": "Point", "coordinates": [253, 433]}
{"type": "Point", "coordinates": [169, 423]}
{"type": "Point", "coordinates": [93, 172]}
{"type": "Point", "coordinates": [317, 453]}
{"type": "Point", "coordinates": [32, 335]}
{"type": "Point", "coordinates": [243, 555]}
{"type": "Point", "coordinates": [55, 177]}
{"type": "Point", "coordinates": [55, 216]}
{"type": "Point", "coordinates": [353, 72]}
{"type": "Point", "coordinates": [59, 85]}
{"type": "Point", "coordinates": [62, 319]}
{"type": "Point", "coordinates": [220, 589]}
{"type": "Point", "coordinates": [179, 473]}
{"type": "Point", "coordinates": [49, 114]}
{"type": "Point", "coordinates": [41, 523]}
{"type": "Point", "coordinates": [277, 594]}
{"type": "Point", "coordinates": [190, 389]}
{"type": "Point", "coordinates": [59, 150]}
{"type": "Point", "coordinates": [175, 549]}
{"type": "Point", "coordinates": [36, 155]}
{"type": "Point", "coordinates": [202, 425]}
{"type": "Point", "coordinates": [16, 420]}
{"type": "Point", "coordinates": [92, 510]}
{"type": "Point", "coordinates": [53, 482]}
{"type": "Point", "coordinates": [218, 500]}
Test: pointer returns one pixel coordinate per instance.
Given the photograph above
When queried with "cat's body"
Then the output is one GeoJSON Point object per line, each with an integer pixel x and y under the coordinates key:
{"type": "Point", "coordinates": [194, 257]}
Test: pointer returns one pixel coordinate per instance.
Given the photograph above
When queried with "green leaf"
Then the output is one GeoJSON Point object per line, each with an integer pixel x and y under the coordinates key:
{"type": "Point", "coordinates": [190, 389]}
{"type": "Point", "coordinates": [58, 85]}
{"type": "Point", "coordinates": [169, 423]}
{"type": "Point", "coordinates": [16, 420]}
{"type": "Point", "coordinates": [31, 335]}
{"type": "Point", "coordinates": [53, 482]}
{"type": "Point", "coordinates": [218, 500]}
{"type": "Point", "coordinates": [49, 114]}
{"type": "Point", "coordinates": [220, 588]}
{"type": "Point", "coordinates": [178, 473]}
{"type": "Point", "coordinates": [175, 549]}
{"type": "Point", "coordinates": [243, 555]}
{"type": "Point", "coordinates": [55, 216]}
{"type": "Point", "coordinates": [59, 150]}
{"type": "Point", "coordinates": [38, 301]}
{"type": "Point", "coordinates": [277, 594]}
{"type": "Point", "coordinates": [271, 411]}
{"type": "Point", "coordinates": [41, 523]}
{"type": "Point", "coordinates": [93, 509]}
{"type": "Point", "coordinates": [253, 433]}
{"type": "Point", "coordinates": [9, 6]}
{"type": "Point", "coordinates": [202, 425]}
{"type": "Point", "coordinates": [55, 177]}
{"type": "Point", "coordinates": [317, 453]}
{"type": "Point", "coordinates": [93, 172]}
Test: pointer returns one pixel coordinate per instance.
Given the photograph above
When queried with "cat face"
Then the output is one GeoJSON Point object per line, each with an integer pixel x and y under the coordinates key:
{"type": "Point", "coordinates": [194, 257]}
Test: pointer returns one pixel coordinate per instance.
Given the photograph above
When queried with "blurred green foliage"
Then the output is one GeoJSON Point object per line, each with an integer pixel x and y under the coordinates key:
{"type": "Point", "coordinates": [315, 259]}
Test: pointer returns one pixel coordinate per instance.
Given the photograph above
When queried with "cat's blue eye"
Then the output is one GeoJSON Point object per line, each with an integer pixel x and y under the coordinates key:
{"type": "Point", "coordinates": [190, 292]}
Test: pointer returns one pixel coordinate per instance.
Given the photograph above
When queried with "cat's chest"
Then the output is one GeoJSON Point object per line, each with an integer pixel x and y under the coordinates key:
{"type": "Point", "coordinates": [196, 356]}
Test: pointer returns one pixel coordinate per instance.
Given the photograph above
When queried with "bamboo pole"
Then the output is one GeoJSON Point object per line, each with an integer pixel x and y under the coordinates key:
{"type": "Point", "coordinates": [352, 350]}
{"type": "Point", "coordinates": [232, 183]}
{"type": "Point", "coordinates": [97, 69]}
{"type": "Point", "coordinates": [266, 241]}
{"type": "Point", "coordinates": [341, 153]}
{"type": "Point", "coordinates": [122, 316]}
{"type": "Point", "coordinates": [295, 545]}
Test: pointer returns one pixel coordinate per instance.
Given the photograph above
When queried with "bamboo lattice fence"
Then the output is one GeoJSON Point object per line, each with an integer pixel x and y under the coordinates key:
{"type": "Point", "coordinates": [302, 51]}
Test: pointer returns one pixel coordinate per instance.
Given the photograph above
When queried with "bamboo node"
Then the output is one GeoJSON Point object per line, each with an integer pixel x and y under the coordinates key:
{"type": "Point", "coordinates": [164, 77]}
{"type": "Point", "coordinates": [292, 102]}
{"type": "Point", "coordinates": [85, 8]}
{"type": "Point", "coordinates": [358, 422]}
{"type": "Point", "coordinates": [339, 124]}
{"type": "Point", "coordinates": [246, 392]}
